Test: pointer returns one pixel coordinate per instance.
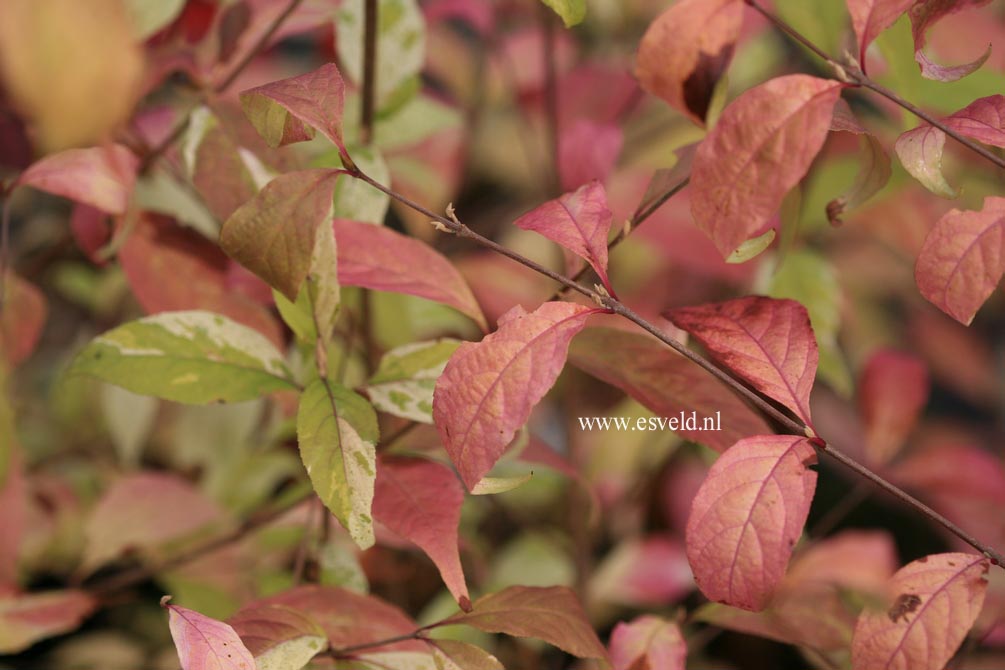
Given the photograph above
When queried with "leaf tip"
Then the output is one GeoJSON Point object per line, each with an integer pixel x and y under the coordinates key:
{"type": "Point", "coordinates": [165, 600]}
{"type": "Point", "coordinates": [465, 604]}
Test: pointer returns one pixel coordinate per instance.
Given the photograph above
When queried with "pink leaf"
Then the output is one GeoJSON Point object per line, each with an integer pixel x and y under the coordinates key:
{"type": "Point", "coordinates": [455, 655]}
{"type": "Point", "coordinates": [765, 341]}
{"type": "Point", "coordinates": [579, 221]}
{"type": "Point", "coordinates": [378, 258]}
{"type": "Point", "coordinates": [488, 389]}
{"type": "Point", "coordinates": [588, 150]}
{"type": "Point", "coordinates": [747, 517]}
{"type": "Point", "coordinates": [648, 642]}
{"type": "Point", "coordinates": [686, 50]}
{"type": "Point", "coordinates": [761, 147]}
{"type": "Point", "coordinates": [91, 230]}
{"type": "Point", "coordinates": [666, 383]}
{"type": "Point", "coordinates": [873, 174]}
{"type": "Point", "coordinates": [313, 100]}
{"type": "Point", "coordinates": [891, 394]}
{"type": "Point", "coordinates": [552, 614]}
{"type": "Point", "coordinates": [871, 17]}
{"type": "Point", "coordinates": [21, 318]}
{"type": "Point", "coordinates": [930, 606]}
{"type": "Point", "coordinates": [926, 13]}
{"type": "Point", "coordinates": [963, 259]}
{"type": "Point", "coordinates": [30, 617]}
{"type": "Point", "coordinates": [204, 643]}
{"type": "Point", "coordinates": [269, 628]}
{"type": "Point", "coordinates": [421, 501]}
{"type": "Point", "coordinates": [102, 177]}
{"type": "Point", "coordinates": [648, 572]}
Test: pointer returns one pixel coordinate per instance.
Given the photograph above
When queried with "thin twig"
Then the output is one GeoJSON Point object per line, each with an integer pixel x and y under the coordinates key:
{"type": "Point", "coordinates": [551, 94]}
{"type": "Point", "coordinates": [369, 92]}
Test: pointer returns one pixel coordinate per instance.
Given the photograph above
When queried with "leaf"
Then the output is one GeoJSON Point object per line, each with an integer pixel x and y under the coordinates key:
{"type": "Point", "coordinates": [456, 655]}
{"type": "Point", "coordinates": [22, 316]}
{"type": "Point", "coordinates": [926, 13]}
{"type": "Point", "coordinates": [421, 501]}
{"type": "Point", "coordinates": [289, 110]}
{"type": "Point", "coordinates": [686, 50]}
{"type": "Point", "coordinates": [892, 393]}
{"type": "Point", "coordinates": [871, 17]}
{"type": "Point", "coordinates": [143, 511]}
{"type": "Point", "coordinates": [102, 177]}
{"type": "Point", "coordinates": [401, 43]}
{"type": "Point", "coordinates": [932, 603]}
{"type": "Point", "coordinates": [150, 16]}
{"type": "Point", "coordinates": [357, 200]}
{"type": "Point", "coordinates": [579, 221]}
{"type": "Point", "coordinates": [665, 383]}
{"type": "Point", "coordinates": [752, 248]}
{"type": "Point", "coordinates": [747, 517]}
{"type": "Point", "coordinates": [647, 643]}
{"type": "Point", "coordinates": [337, 432]}
{"type": "Point", "coordinates": [872, 176]}
{"type": "Point", "coordinates": [29, 617]}
{"type": "Point", "coordinates": [72, 70]}
{"type": "Point", "coordinates": [963, 259]}
{"type": "Point", "coordinates": [552, 614]}
{"type": "Point", "coordinates": [129, 418]}
{"type": "Point", "coordinates": [647, 572]}
{"type": "Point", "coordinates": [274, 234]}
{"type": "Point", "coordinates": [204, 643]}
{"type": "Point", "coordinates": [378, 258]}
{"type": "Point", "coordinates": [761, 147]}
{"type": "Point", "coordinates": [279, 637]}
{"type": "Point", "coordinates": [404, 381]}
{"type": "Point", "coordinates": [588, 151]}
{"type": "Point", "coordinates": [572, 11]}
{"type": "Point", "coordinates": [159, 251]}
{"type": "Point", "coordinates": [490, 486]}
{"type": "Point", "coordinates": [220, 168]}
{"type": "Point", "coordinates": [189, 357]}
{"type": "Point", "coordinates": [765, 341]}
{"type": "Point", "coordinates": [488, 389]}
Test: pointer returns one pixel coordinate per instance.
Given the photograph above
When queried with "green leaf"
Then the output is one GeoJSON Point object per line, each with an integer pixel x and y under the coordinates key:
{"type": "Point", "coordinates": [317, 305]}
{"type": "Point", "coordinates": [571, 11]}
{"type": "Point", "coordinates": [149, 16]}
{"type": "Point", "coordinates": [337, 431]}
{"type": "Point", "coordinates": [404, 381]}
{"type": "Point", "coordinates": [752, 248]}
{"type": "Point", "coordinates": [190, 357]}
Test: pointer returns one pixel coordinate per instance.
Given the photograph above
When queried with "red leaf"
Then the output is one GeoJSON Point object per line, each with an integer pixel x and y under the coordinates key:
{"type": "Point", "coordinates": [579, 221]}
{"type": "Point", "coordinates": [378, 258]}
{"type": "Point", "coordinates": [586, 151]}
{"type": "Point", "coordinates": [871, 17]}
{"type": "Point", "coordinates": [649, 572]}
{"type": "Point", "coordinates": [313, 100]}
{"type": "Point", "coordinates": [686, 50]}
{"type": "Point", "coordinates": [747, 517]}
{"type": "Point", "coordinates": [30, 617]}
{"type": "Point", "coordinates": [648, 643]}
{"type": "Point", "coordinates": [267, 627]}
{"type": "Point", "coordinates": [421, 501]}
{"type": "Point", "coordinates": [455, 655]}
{"type": "Point", "coordinates": [761, 147]}
{"type": "Point", "coordinates": [171, 268]}
{"type": "Point", "coordinates": [926, 13]}
{"type": "Point", "coordinates": [488, 389]}
{"type": "Point", "coordinates": [766, 341]}
{"type": "Point", "coordinates": [891, 394]}
{"type": "Point", "coordinates": [91, 230]}
{"type": "Point", "coordinates": [204, 643]}
{"type": "Point", "coordinates": [102, 177]}
{"type": "Point", "coordinates": [21, 318]}
{"type": "Point", "coordinates": [931, 605]}
{"type": "Point", "coordinates": [552, 614]}
{"type": "Point", "coordinates": [963, 259]}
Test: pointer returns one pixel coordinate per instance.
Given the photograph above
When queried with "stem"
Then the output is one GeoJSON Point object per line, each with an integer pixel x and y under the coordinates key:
{"type": "Point", "coordinates": [551, 93]}
{"type": "Point", "coordinates": [4, 246]}
{"type": "Point", "coordinates": [852, 73]}
{"type": "Point", "coordinates": [342, 652]}
{"type": "Point", "coordinates": [762, 402]}
{"type": "Point", "coordinates": [369, 92]}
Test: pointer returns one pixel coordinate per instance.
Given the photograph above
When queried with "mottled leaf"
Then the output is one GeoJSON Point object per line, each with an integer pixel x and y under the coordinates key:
{"type": "Point", "coordinates": [747, 517]}
{"type": "Point", "coordinates": [963, 259]}
{"type": "Point", "coordinates": [421, 501]}
{"type": "Point", "coordinates": [647, 643]}
{"type": "Point", "coordinates": [579, 221]}
{"type": "Point", "coordinates": [489, 388]}
{"type": "Point", "coordinates": [552, 614]}
{"type": "Point", "coordinates": [337, 432]}
{"type": "Point", "coordinates": [30, 617]}
{"type": "Point", "coordinates": [571, 11]}
{"type": "Point", "coordinates": [761, 147]}
{"type": "Point", "coordinates": [102, 177]}
{"type": "Point", "coordinates": [274, 234]}
{"type": "Point", "coordinates": [21, 318]}
{"type": "Point", "coordinates": [188, 357]}
{"type": "Point", "coordinates": [204, 643]}
{"type": "Point", "coordinates": [765, 341]}
{"type": "Point", "coordinates": [456, 655]}
{"type": "Point", "coordinates": [926, 13]}
{"type": "Point", "coordinates": [892, 392]}
{"type": "Point", "coordinates": [404, 381]}
{"type": "Point", "coordinates": [871, 17]}
{"type": "Point", "coordinates": [378, 258]}
{"type": "Point", "coordinates": [279, 637]}
{"type": "Point", "coordinates": [686, 50]}
{"type": "Point", "coordinates": [930, 606]}
{"type": "Point", "coordinates": [289, 110]}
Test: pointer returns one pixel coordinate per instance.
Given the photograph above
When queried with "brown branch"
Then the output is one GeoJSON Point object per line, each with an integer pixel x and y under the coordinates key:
{"type": "Point", "coordinates": [369, 92]}
{"type": "Point", "coordinates": [551, 93]}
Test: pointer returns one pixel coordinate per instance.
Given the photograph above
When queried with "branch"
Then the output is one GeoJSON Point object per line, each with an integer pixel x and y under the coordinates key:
{"type": "Point", "coordinates": [453, 225]}
{"type": "Point", "coordinates": [369, 92]}
{"type": "Point", "coordinates": [551, 93]}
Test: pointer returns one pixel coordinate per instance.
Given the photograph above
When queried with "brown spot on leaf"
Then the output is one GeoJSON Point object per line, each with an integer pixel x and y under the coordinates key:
{"type": "Point", "coordinates": [904, 605]}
